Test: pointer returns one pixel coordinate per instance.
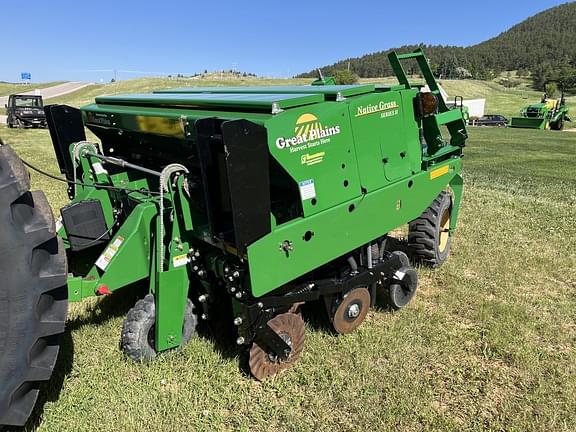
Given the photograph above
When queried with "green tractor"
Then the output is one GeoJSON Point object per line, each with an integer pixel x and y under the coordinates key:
{"type": "Point", "coordinates": [259, 198]}
{"type": "Point", "coordinates": [548, 114]}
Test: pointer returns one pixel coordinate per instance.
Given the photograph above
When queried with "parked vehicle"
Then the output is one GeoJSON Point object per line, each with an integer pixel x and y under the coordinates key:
{"type": "Point", "coordinates": [492, 120]}
{"type": "Point", "coordinates": [25, 111]}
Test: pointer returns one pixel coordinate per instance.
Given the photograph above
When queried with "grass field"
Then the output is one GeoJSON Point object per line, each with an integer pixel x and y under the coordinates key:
{"type": "Point", "coordinates": [11, 88]}
{"type": "Point", "coordinates": [499, 100]}
{"type": "Point", "coordinates": [489, 343]}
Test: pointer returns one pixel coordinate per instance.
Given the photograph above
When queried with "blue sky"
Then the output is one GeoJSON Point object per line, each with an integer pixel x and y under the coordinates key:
{"type": "Point", "coordinates": [81, 40]}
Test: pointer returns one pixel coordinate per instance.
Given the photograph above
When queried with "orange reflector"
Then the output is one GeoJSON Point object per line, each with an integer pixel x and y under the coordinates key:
{"type": "Point", "coordinates": [439, 172]}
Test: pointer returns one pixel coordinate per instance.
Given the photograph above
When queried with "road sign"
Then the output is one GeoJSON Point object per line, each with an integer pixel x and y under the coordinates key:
{"type": "Point", "coordinates": [26, 76]}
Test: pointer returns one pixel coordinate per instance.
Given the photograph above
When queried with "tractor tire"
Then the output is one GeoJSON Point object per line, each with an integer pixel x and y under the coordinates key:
{"type": "Point", "coordinates": [33, 293]}
{"type": "Point", "coordinates": [138, 332]}
{"type": "Point", "coordinates": [428, 237]}
{"type": "Point", "coordinates": [559, 125]}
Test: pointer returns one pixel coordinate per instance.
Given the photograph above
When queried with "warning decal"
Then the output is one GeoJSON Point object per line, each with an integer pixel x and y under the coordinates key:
{"type": "Point", "coordinates": [109, 253]}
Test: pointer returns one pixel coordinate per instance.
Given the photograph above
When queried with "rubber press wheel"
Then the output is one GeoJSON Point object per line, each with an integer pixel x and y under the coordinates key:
{"type": "Point", "coordinates": [429, 236]}
{"type": "Point", "coordinates": [139, 330]}
{"type": "Point", "coordinates": [400, 290]}
{"type": "Point", "coordinates": [33, 293]}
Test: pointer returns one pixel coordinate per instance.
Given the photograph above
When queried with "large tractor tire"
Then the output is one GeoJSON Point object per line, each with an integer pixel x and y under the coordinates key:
{"type": "Point", "coordinates": [428, 237]}
{"type": "Point", "coordinates": [33, 293]}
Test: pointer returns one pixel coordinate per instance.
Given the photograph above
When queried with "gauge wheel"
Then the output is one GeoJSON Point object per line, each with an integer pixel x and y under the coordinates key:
{"type": "Point", "coordinates": [138, 339]}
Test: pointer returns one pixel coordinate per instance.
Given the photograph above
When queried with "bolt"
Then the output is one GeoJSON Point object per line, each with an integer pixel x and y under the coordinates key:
{"type": "Point", "coordinates": [204, 317]}
{"type": "Point", "coordinates": [197, 254]}
{"type": "Point", "coordinates": [195, 268]}
{"type": "Point", "coordinates": [240, 341]}
{"type": "Point", "coordinates": [311, 285]}
{"type": "Point", "coordinates": [201, 273]}
{"type": "Point", "coordinates": [260, 305]}
{"type": "Point", "coordinates": [238, 295]}
{"type": "Point", "coordinates": [203, 298]}
{"type": "Point", "coordinates": [180, 247]}
{"type": "Point", "coordinates": [226, 269]}
{"type": "Point", "coordinates": [230, 278]}
{"type": "Point", "coordinates": [237, 321]}
{"type": "Point", "coordinates": [236, 274]}
{"type": "Point", "coordinates": [177, 240]}
{"type": "Point", "coordinates": [353, 311]}
{"type": "Point", "coordinates": [233, 289]}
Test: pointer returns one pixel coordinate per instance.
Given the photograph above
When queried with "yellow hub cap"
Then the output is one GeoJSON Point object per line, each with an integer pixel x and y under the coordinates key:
{"type": "Point", "coordinates": [444, 230]}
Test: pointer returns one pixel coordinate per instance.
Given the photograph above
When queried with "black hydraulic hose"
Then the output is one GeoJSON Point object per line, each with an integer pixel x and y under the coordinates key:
{"type": "Point", "coordinates": [97, 239]}
{"type": "Point", "coordinates": [121, 189]}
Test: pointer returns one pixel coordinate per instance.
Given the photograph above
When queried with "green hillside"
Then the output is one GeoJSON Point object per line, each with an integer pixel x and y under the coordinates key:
{"type": "Point", "coordinates": [11, 88]}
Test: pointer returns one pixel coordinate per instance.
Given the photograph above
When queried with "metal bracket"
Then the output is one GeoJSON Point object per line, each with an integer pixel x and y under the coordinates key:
{"type": "Point", "coordinates": [272, 342]}
{"type": "Point", "coordinates": [276, 108]}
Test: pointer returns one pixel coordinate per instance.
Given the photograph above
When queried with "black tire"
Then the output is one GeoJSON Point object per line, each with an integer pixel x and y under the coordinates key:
{"type": "Point", "coordinates": [403, 258]}
{"type": "Point", "coordinates": [138, 331]}
{"type": "Point", "coordinates": [428, 238]}
{"type": "Point", "coordinates": [33, 293]}
{"type": "Point", "coordinates": [559, 125]}
{"type": "Point", "coordinates": [400, 291]}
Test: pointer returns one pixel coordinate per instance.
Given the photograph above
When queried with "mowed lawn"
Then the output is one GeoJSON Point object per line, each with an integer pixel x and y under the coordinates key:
{"type": "Point", "coordinates": [487, 344]}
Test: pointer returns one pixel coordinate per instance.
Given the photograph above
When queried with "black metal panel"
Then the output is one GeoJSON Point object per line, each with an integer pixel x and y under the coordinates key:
{"type": "Point", "coordinates": [246, 150]}
{"type": "Point", "coordinates": [85, 224]}
{"type": "Point", "coordinates": [66, 127]}
{"type": "Point", "coordinates": [209, 144]}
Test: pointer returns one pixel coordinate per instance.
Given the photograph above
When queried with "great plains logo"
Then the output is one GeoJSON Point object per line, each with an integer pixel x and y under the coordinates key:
{"type": "Point", "coordinates": [308, 132]}
{"type": "Point", "coordinates": [387, 109]}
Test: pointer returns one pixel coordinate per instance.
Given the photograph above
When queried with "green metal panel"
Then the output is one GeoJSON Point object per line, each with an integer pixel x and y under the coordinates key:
{"type": "Point", "coordinates": [329, 90]}
{"type": "Point", "coordinates": [342, 229]}
{"type": "Point", "coordinates": [316, 147]}
{"type": "Point", "coordinates": [528, 122]}
{"type": "Point", "coordinates": [129, 249]}
{"type": "Point", "coordinates": [382, 123]}
{"type": "Point", "coordinates": [254, 101]}
{"type": "Point", "coordinates": [170, 305]}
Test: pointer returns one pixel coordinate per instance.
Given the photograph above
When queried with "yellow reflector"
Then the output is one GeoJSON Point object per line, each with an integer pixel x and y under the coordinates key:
{"type": "Point", "coordinates": [439, 172]}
